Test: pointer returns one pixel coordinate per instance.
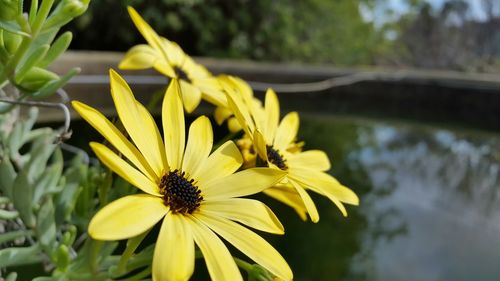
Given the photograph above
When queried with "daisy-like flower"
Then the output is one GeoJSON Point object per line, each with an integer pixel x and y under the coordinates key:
{"type": "Point", "coordinates": [274, 142]}
{"type": "Point", "coordinates": [194, 193]}
{"type": "Point", "coordinates": [170, 60]}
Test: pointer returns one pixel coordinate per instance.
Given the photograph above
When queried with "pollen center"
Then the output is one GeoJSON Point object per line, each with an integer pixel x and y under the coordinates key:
{"type": "Point", "coordinates": [275, 157]}
{"type": "Point", "coordinates": [181, 74]}
{"type": "Point", "coordinates": [180, 194]}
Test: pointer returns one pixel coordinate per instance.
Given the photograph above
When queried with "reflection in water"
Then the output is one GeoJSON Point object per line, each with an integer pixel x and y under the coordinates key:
{"type": "Point", "coordinates": [430, 206]}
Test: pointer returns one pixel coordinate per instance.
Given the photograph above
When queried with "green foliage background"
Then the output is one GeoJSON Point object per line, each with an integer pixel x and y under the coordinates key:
{"type": "Point", "coordinates": [423, 34]}
{"type": "Point", "coordinates": [309, 30]}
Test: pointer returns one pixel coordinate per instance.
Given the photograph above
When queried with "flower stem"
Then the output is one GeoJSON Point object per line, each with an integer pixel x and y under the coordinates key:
{"type": "Point", "coordinates": [243, 264]}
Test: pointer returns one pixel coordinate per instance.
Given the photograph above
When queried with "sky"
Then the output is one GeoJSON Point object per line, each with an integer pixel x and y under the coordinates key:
{"type": "Point", "coordinates": [381, 13]}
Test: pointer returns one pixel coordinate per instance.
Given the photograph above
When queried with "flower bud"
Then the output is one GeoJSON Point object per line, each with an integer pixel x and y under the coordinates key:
{"type": "Point", "coordinates": [66, 11]}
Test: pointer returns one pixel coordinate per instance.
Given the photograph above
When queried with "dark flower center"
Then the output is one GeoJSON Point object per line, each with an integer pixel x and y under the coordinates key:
{"type": "Point", "coordinates": [181, 195]}
{"type": "Point", "coordinates": [181, 74]}
{"type": "Point", "coordinates": [275, 157]}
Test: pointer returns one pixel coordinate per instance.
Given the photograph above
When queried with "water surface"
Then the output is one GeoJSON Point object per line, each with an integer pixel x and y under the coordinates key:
{"type": "Point", "coordinates": [430, 207]}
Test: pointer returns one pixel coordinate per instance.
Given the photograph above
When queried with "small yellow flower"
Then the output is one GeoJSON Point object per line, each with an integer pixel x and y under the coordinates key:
{"type": "Point", "coordinates": [169, 59]}
{"type": "Point", "coordinates": [274, 142]}
{"type": "Point", "coordinates": [194, 192]}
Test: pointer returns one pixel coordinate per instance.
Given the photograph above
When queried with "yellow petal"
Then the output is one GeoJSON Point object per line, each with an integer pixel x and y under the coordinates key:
{"type": "Point", "coordinates": [323, 183]}
{"type": "Point", "coordinates": [340, 206]}
{"type": "Point", "coordinates": [219, 261]}
{"type": "Point", "coordinates": [173, 125]}
{"type": "Point", "coordinates": [194, 69]}
{"type": "Point", "coordinates": [139, 57]}
{"type": "Point", "coordinates": [174, 251]}
{"type": "Point", "coordinates": [199, 145]}
{"type": "Point", "coordinates": [115, 137]}
{"type": "Point", "coordinates": [221, 114]}
{"type": "Point", "coordinates": [224, 161]}
{"type": "Point", "coordinates": [127, 217]}
{"type": "Point", "coordinates": [211, 90]}
{"type": "Point", "coordinates": [289, 196]}
{"type": "Point", "coordinates": [243, 183]}
{"type": "Point", "coordinates": [164, 68]}
{"type": "Point", "coordinates": [175, 54]}
{"type": "Point", "coordinates": [308, 202]}
{"type": "Point", "coordinates": [240, 110]}
{"type": "Point", "coordinates": [124, 170]}
{"type": "Point", "coordinates": [260, 144]}
{"type": "Point", "coordinates": [246, 211]}
{"type": "Point", "coordinates": [249, 243]}
{"type": "Point", "coordinates": [191, 96]}
{"type": "Point", "coordinates": [272, 110]}
{"type": "Point", "coordinates": [311, 159]}
{"type": "Point", "coordinates": [287, 131]}
{"type": "Point", "coordinates": [146, 140]}
{"type": "Point", "coordinates": [150, 126]}
{"type": "Point", "coordinates": [245, 91]}
{"type": "Point", "coordinates": [147, 32]}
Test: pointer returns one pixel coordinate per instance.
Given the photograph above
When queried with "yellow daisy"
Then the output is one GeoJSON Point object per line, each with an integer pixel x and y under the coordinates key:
{"type": "Point", "coordinates": [193, 192]}
{"type": "Point", "coordinates": [169, 59]}
{"type": "Point", "coordinates": [274, 142]}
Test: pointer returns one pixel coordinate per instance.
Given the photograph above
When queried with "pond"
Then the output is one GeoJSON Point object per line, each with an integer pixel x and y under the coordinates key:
{"type": "Point", "coordinates": [429, 204]}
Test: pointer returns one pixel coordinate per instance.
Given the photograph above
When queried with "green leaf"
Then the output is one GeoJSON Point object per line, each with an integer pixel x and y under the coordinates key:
{"type": "Point", "coordinates": [31, 120]}
{"type": "Point", "coordinates": [43, 278]}
{"type": "Point", "coordinates": [37, 78]}
{"type": "Point", "coordinates": [13, 27]}
{"type": "Point", "coordinates": [69, 236]}
{"type": "Point", "coordinates": [11, 277]}
{"type": "Point", "coordinates": [30, 62]}
{"type": "Point", "coordinates": [22, 198]}
{"type": "Point", "coordinates": [62, 257]}
{"type": "Point", "coordinates": [16, 139]}
{"type": "Point", "coordinates": [7, 176]}
{"type": "Point", "coordinates": [66, 200]}
{"type": "Point", "coordinates": [20, 256]}
{"type": "Point", "coordinates": [40, 153]}
{"type": "Point", "coordinates": [11, 41]}
{"type": "Point", "coordinates": [53, 86]}
{"type": "Point", "coordinates": [32, 12]}
{"type": "Point", "coordinates": [58, 47]}
{"type": "Point", "coordinates": [46, 226]}
{"type": "Point", "coordinates": [13, 235]}
{"type": "Point", "coordinates": [8, 215]}
{"type": "Point", "coordinates": [48, 181]}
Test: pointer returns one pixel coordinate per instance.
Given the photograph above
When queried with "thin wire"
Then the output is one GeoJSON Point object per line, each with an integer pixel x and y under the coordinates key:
{"type": "Point", "coordinates": [63, 95]}
{"type": "Point", "coordinates": [76, 150]}
{"type": "Point", "coordinates": [66, 134]}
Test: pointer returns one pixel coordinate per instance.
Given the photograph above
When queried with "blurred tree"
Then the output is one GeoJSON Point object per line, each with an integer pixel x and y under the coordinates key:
{"type": "Point", "coordinates": [455, 36]}
{"type": "Point", "coordinates": [309, 30]}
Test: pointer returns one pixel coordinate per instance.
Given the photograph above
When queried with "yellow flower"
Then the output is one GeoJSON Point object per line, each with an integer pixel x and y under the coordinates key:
{"type": "Point", "coordinates": [169, 59]}
{"type": "Point", "coordinates": [194, 192]}
{"type": "Point", "coordinates": [274, 142]}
